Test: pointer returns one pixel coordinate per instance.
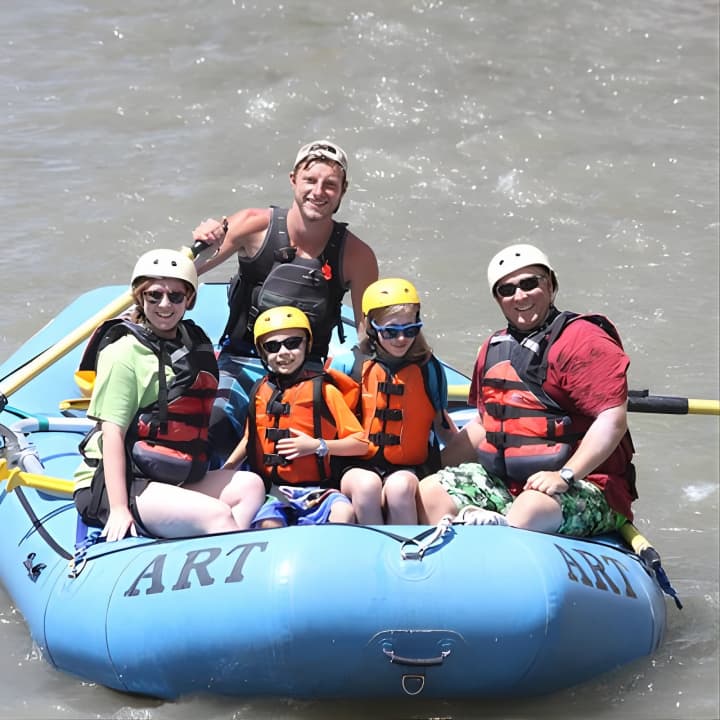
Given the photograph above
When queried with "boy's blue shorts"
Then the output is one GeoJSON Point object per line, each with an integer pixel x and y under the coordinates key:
{"type": "Point", "coordinates": [304, 506]}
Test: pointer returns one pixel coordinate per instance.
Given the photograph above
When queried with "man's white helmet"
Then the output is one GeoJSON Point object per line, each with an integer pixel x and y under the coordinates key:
{"type": "Point", "coordinates": [516, 257]}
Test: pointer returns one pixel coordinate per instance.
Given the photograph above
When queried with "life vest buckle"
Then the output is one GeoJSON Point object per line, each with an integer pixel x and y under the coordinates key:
{"type": "Point", "coordinates": [275, 434]}
{"type": "Point", "coordinates": [274, 459]}
{"type": "Point", "coordinates": [276, 408]}
{"type": "Point", "coordinates": [390, 388]}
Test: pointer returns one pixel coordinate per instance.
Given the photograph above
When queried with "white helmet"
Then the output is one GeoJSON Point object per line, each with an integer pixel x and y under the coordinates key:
{"type": "Point", "coordinates": [516, 257]}
{"type": "Point", "coordinates": [165, 264]}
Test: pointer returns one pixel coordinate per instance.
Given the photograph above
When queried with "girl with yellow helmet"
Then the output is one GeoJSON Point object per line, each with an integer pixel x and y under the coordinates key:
{"type": "Point", "coordinates": [298, 418]}
{"type": "Point", "coordinates": [403, 406]}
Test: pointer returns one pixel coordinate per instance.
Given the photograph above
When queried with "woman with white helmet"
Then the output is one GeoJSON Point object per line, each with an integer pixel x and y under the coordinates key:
{"type": "Point", "coordinates": [154, 379]}
{"type": "Point", "coordinates": [550, 448]}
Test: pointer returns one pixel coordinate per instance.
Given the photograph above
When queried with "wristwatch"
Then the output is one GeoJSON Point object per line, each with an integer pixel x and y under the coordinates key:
{"type": "Point", "coordinates": [322, 448]}
{"type": "Point", "coordinates": [568, 476]}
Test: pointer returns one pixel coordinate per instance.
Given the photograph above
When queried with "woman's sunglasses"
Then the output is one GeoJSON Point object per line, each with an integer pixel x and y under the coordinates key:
{"type": "Point", "coordinates": [156, 296]}
{"type": "Point", "coordinates": [291, 343]}
{"type": "Point", "coordinates": [527, 284]}
{"type": "Point", "coordinates": [390, 332]}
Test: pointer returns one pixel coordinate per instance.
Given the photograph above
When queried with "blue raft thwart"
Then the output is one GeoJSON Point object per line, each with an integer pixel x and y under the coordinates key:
{"type": "Point", "coordinates": [316, 611]}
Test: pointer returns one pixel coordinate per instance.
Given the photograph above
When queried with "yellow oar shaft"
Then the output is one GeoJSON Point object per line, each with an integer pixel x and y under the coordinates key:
{"type": "Point", "coordinates": [26, 373]}
{"type": "Point", "coordinates": [633, 537]}
{"type": "Point", "coordinates": [703, 407]}
{"type": "Point", "coordinates": [636, 403]}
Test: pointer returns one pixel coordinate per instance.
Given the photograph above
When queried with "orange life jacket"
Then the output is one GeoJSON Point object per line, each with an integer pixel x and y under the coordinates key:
{"type": "Point", "coordinates": [525, 429]}
{"type": "Point", "coordinates": [396, 410]}
{"type": "Point", "coordinates": [274, 410]}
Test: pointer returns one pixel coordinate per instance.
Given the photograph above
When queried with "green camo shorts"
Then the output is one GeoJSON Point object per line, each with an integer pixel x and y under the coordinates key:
{"type": "Point", "coordinates": [584, 508]}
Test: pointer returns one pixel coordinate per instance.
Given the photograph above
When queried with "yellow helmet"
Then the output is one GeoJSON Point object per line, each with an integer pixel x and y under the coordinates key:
{"type": "Point", "coordinates": [283, 317]}
{"type": "Point", "coordinates": [387, 292]}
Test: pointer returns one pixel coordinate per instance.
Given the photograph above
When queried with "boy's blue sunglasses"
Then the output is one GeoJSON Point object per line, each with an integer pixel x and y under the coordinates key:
{"type": "Point", "coordinates": [389, 332]}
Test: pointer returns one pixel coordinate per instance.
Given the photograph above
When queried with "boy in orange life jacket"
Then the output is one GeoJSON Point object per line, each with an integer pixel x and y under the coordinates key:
{"type": "Point", "coordinates": [154, 382]}
{"type": "Point", "coordinates": [297, 419]}
{"type": "Point", "coordinates": [404, 398]}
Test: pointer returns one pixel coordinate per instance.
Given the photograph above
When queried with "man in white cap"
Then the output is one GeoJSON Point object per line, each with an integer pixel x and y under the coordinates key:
{"type": "Point", "coordinates": [298, 256]}
{"type": "Point", "coordinates": [549, 449]}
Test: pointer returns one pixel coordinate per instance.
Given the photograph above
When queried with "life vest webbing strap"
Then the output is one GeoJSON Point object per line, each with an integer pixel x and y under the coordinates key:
{"type": "Point", "coordinates": [506, 412]}
{"type": "Point", "coordinates": [503, 439]}
{"type": "Point", "coordinates": [162, 401]}
{"type": "Point", "coordinates": [390, 388]}
{"type": "Point", "coordinates": [190, 420]}
{"type": "Point", "coordinates": [503, 383]}
{"type": "Point", "coordinates": [384, 439]}
{"type": "Point", "coordinates": [389, 413]}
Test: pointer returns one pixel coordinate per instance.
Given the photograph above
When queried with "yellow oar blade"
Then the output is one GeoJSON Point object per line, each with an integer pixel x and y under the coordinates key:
{"type": "Point", "coordinates": [52, 485]}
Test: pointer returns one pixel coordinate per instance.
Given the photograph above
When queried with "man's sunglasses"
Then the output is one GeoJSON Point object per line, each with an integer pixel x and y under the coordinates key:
{"type": "Point", "coordinates": [291, 343]}
{"type": "Point", "coordinates": [156, 296]}
{"type": "Point", "coordinates": [390, 332]}
{"type": "Point", "coordinates": [527, 284]}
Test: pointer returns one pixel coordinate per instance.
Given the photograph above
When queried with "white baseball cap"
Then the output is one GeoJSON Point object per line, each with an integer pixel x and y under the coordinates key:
{"type": "Point", "coordinates": [322, 149]}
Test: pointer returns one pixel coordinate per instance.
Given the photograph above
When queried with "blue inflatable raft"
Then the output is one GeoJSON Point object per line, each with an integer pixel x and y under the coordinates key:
{"type": "Point", "coordinates": [308, 612]}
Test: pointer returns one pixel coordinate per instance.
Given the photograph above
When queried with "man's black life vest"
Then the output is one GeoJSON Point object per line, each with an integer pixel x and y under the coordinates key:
{"type": "Point", "coordinates": [276, 276]}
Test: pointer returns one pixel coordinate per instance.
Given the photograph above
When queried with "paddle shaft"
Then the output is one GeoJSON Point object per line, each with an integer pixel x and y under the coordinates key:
{"type": "Point", "coordinates": [44, 360]}
{"type": "Point", "coordinates": [638, 401]}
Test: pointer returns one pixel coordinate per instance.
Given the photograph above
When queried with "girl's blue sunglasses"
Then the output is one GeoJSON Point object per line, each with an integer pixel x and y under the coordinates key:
{"type": "Point", "coordinates": [389, 332]}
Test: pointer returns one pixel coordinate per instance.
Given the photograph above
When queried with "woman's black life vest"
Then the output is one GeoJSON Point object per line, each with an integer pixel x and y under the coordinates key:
{"type": "Point", "coordinates": [168, 440]}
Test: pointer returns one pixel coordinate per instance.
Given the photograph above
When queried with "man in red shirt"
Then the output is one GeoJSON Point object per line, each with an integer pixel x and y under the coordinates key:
{"type": "Point", "coordinates": [550, 446]}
